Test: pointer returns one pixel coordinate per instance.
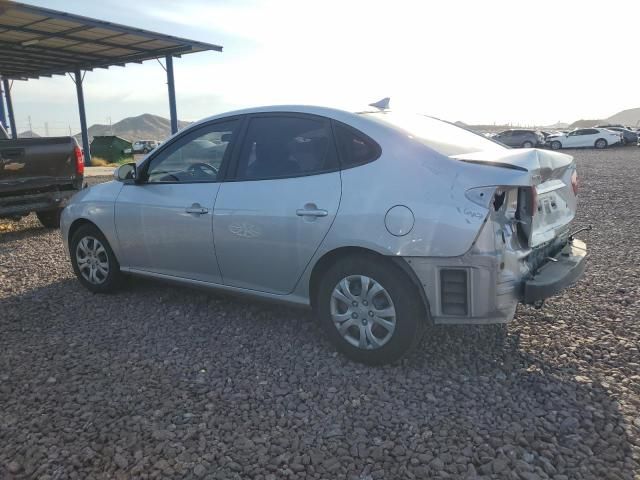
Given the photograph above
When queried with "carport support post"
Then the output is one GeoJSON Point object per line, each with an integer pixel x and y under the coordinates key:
{"type": "Point", "coordinates": [12, 119]}
{"type": "Point", "coordinates": [3, 116]}
{"type": "Point", "coordinates": [172, 95]}
{"type": "Point", "coordinates": [83, 118]}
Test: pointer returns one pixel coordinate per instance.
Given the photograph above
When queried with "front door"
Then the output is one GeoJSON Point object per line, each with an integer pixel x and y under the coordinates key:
{"type": "Point", "coordinates": [575, 139]}
{"type": "Point", "coordinates": [279, 204]}
{"type": "Point", "coordinates": [164, 223]}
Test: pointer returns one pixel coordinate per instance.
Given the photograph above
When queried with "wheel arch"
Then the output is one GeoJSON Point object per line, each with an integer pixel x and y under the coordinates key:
{"type": "Point", "coordinates": [77, 223]}
{"type": "Point", "coordinates": [335, 255]}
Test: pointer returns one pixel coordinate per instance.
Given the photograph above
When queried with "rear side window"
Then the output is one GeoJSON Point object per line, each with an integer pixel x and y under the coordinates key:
{"type": "Point", "coordinates": [286, 146]}
{"type": "Point", "coordinates": [354, 147]}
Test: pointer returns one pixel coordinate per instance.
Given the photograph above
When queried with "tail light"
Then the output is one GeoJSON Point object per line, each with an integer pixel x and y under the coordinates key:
{"type": "Point", "coordinates": [77, 152]}
{"type": "Point", "coordinates": [574, 182]}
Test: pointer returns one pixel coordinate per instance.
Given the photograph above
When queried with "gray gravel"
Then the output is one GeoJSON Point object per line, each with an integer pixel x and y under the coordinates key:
{"type": "Point", "coordinates": [165, 382]}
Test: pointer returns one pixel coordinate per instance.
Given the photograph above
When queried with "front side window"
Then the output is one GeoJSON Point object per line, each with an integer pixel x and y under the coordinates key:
{"type": "Point", "coordinates": [196, 158]}
{"type": "Point", "coordinates": [283, 146]}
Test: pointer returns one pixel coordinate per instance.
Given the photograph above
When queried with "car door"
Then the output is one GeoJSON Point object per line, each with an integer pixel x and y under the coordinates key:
{"type": "Point", "coordinates": [517, 138]}
{"type": "Point", "coordinates": [272, 215]}
{"type": "Point", "coordinates": [588, 137]}
{"type": "Point", "coordinates": [164, 222]}
{"type": "Point", "coordinates": [574, 139]}
{"type": "Point", "coordinates": [505, 137]}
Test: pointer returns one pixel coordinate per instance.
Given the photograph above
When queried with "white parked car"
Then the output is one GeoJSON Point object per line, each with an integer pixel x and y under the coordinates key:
{"type": "Point", "coordinates": [584, 137]}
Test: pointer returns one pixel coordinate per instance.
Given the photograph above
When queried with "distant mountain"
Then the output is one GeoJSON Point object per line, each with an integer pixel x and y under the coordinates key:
{"type": "Point", "coordinates": [556, 126]}
{"type": "Point", "coordinates": [586, 123]}
{"type": "Point", "coordinates": [142, 127]}
{"type": "Point", "coordinates": [28, 134]}
{"type": "Point", "coordinates": [630, 117]}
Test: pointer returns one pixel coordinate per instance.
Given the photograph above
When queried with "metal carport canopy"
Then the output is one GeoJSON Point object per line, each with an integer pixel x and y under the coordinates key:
{"type": "Point", "coordinates": [37, 42]}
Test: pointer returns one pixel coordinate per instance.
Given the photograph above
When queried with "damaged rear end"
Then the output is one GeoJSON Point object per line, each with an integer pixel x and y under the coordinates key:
{"type": "Point", "coordinates": [528, 225]}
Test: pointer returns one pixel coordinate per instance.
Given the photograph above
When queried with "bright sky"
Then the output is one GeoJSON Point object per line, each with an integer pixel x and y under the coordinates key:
{"type": "Point", "coordinates": [479, 61]}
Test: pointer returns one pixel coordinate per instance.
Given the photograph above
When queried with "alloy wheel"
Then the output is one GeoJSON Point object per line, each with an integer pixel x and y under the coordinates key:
{"type": "Point", "coordinates": [92, 260]}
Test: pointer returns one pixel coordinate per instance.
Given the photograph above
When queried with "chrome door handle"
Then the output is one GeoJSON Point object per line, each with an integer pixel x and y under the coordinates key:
{"type": "Point", "coordinates": [311, 212]}
{"type": "Point", "coordinates": [197, 209]}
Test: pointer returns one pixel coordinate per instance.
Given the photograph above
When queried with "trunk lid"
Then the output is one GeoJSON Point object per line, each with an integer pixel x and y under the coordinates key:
{"type": "Point", "coordinates": [546, 200]}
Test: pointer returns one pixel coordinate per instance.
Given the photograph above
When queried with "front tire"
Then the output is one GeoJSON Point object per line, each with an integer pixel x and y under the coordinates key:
{"type": "Point", "coordinates": [527, 144]}
{"type": "Point", "coordinates": [93, 260]}
{"type": "Point", "coordinates": [370, 310]}
{"type": "Point", "coordinates": [556, 145]}
{"type": "Point", "coordinates": [50, 218]}
{"type": "Point", "coordinates": [601, 143]}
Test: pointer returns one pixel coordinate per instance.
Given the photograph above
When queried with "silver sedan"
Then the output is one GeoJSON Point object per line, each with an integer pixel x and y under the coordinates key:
{"type": "Point", "coordinates": [383, 222]}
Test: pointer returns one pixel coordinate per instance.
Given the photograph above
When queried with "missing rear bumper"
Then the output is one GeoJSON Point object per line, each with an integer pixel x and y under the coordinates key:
{"type": "Point", "coordinates": [554, 276]}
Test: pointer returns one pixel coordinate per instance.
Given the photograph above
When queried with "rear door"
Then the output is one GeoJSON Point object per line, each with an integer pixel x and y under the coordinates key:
{"type": "Point", "coordinates": [272, 215]}
{"type": "Point", "coordinates": [164, 223]}
{"type": "Point", "coordinates": [590, 136]}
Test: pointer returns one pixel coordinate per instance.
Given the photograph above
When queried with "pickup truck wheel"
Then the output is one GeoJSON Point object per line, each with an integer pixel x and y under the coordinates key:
{"type": "Point", "coordinates": [370, 310]}
{"type": "Point", "coordinates": [49, 218]}
{"type": "Point", "coordinates": [556, 145]}
{"type": "Point", "coordinates": [601, 143]}
{"type": "Point", "coordinates": [93, 260]}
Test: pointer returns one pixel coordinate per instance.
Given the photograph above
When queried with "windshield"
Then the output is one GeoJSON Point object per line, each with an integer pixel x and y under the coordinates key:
{"type": "Point", "coordinates": [443, 137]}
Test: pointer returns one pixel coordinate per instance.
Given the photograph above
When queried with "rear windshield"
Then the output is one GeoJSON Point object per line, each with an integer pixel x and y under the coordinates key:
{"type": "Point", "coordinates": [443, 137]}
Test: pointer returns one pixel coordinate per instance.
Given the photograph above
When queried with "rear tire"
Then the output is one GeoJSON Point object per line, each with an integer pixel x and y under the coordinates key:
{"type": "Point", "coordinates": [527, 144]}
{"type": "Point", "coordinates": [378, 326]}
{"type": "Point", "coordinates": [93, 260]}
{"type": "Point", "coordinates": [50, 218]}
{"type": "Point", "coordinates": [601, 143]}
{"type": "Point", "coordinates": [556, 145]}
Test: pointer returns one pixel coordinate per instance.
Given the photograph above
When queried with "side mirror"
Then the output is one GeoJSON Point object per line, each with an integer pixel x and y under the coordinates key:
{"type": "Point", "coordinates": [125, 173]}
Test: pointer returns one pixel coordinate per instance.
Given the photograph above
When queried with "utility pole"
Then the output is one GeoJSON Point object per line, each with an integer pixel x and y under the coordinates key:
{"type": "Point", "coordinates": [46, 129]}
{"type": "Point", "coordinates": [30, 127]}
{"type": "Point", "coordinates": [12, 118]}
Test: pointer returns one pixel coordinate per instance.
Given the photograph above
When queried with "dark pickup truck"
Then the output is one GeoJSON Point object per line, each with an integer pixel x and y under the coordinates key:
{"type": "Point", "coordinates": [38, 175]}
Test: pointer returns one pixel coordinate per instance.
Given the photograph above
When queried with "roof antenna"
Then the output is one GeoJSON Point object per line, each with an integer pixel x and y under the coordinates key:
{"type": "Point", "coordinates": [381, 104]}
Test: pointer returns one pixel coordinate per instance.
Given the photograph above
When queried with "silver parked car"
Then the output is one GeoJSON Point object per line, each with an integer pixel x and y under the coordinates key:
{"type": "Point", "coordinates": [520, 138]}
{"type": "Point", "coordinates": [383, 222]}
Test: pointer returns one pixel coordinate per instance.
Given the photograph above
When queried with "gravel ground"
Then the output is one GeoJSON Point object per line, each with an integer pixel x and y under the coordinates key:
{"type": "Point", "coordinates": [165, 382]}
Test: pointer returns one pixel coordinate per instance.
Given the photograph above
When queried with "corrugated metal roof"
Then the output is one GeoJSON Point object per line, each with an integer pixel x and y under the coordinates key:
{"type": "Point", "coordinates": [36, 41]}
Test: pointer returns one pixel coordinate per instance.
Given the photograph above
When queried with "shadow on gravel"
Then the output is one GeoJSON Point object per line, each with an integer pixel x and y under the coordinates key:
{"type": "Point", "coordinates": [156, 363]}
{"type": "Point", "coordinates": [19, 232]}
